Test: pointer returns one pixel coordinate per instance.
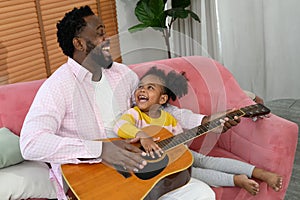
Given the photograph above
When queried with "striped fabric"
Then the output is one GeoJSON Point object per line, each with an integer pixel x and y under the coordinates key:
{"type": "Point", "coordinates": [132, 121]}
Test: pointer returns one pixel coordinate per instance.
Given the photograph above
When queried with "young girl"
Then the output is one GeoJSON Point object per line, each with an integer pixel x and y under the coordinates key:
{"type": "Point", "coordinates": [154, 91]}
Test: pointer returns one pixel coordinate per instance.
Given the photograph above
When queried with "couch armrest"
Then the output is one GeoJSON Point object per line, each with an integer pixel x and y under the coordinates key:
{"type": "Point", "coordinates": [273, 134]}
{"type": "Point", "coordinates": [269, 143]}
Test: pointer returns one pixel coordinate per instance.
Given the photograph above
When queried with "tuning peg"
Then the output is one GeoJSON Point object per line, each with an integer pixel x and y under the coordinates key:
{"type": "Point", "coordinates": [254, 119]}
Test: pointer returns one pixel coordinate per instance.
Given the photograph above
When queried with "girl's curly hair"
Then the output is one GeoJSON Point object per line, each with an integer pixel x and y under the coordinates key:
{"type": "Point", "coordinates": [70, 26]}
{"type": "Point", "coordinates": [174, 84]}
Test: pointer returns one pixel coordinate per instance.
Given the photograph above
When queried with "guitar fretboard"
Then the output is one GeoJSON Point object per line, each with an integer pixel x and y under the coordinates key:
{"type": "Point", "coordinates": [249, 111]}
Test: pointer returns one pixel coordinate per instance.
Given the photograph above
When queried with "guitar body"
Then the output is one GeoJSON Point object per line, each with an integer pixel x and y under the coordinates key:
{"type": "Point", "coordinates": [99, 181]}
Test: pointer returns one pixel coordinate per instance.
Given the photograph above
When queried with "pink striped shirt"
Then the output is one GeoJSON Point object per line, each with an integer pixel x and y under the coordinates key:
{"type": "Point", "coordinates": [64, 121]}
{"type": "Point", "coordinates": [64, 116]}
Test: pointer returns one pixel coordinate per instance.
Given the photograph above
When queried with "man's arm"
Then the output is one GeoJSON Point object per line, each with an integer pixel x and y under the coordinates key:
{"type": "Point", "coordinates": [189, 120]}
{"type": "Point", "coordinates": [43, 139]}
{"type": "Point", "coordinates": [226, 122]}
{"type": "Point", "coordinates": [41, 135]}
{"type": "Point", "coordinates": [186, 118]}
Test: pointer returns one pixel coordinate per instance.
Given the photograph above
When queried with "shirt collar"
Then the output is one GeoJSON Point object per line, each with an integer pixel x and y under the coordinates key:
{"type": "Point", "coordinates": [79, 71]}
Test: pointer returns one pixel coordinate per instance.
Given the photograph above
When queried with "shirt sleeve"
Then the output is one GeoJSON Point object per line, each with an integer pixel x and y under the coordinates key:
{"type": "Point", "coordinates": [176, 129]}
{"type": "Point", "coordinates": [125, 127]}
{"type": "Point", "coordinates": [185, 117]}
{"type": "Point", "coordinates": [40, 138]}
{"type": "Point", "coordinates": [133, 102]}
{"type": "Point", "coordinates": [133, 81]}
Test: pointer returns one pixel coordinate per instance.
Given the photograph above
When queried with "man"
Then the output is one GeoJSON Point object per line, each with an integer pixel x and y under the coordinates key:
{"type": "Point", "coordinates": [79, 102]}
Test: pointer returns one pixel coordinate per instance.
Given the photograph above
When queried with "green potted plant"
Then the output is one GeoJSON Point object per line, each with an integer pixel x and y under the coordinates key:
{"type": "Point", "coordinates": [153, 13]}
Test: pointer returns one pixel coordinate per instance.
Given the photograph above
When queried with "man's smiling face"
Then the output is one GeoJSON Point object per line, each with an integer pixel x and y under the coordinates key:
{"type": "Point", "coordinates": [97, 45]}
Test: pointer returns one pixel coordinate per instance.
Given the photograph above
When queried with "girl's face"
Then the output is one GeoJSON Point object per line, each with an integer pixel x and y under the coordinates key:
{"type": "Point", "coordinates": [149, 94]}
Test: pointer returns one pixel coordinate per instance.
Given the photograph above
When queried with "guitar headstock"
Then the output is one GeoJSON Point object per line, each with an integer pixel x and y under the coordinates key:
{"type": "Point", "coordinates": [255, 110]}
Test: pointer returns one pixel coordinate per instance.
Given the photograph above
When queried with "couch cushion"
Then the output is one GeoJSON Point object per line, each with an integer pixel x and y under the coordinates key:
{"type": "Point", "coordinates": [28, 179]}
{"type": "Point", "coordinates": [15, 100]}
{"type": "Point", "coordinates": [10, 153]}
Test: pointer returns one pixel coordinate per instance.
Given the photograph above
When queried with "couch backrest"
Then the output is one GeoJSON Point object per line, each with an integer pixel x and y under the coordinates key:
{"type": "Point", "coordinates": [212, 87]}
{"type": "Point", "coordinates": [15, 100]}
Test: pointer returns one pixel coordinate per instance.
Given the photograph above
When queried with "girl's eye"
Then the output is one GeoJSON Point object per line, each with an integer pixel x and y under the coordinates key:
{"type": "Point", "coordinates": [150, 87]}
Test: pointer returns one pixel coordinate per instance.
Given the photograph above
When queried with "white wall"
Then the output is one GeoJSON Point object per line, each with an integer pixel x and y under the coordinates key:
{"type": "Point", "coordinates": [261, 44]}
{"type": "Point", "coordinates": [141, 46]}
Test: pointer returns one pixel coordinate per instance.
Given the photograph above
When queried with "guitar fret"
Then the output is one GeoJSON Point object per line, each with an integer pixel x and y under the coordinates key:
{"type": "Point", "coordinates": [198, 130]}
{"type": "Point", "coordinates": [231, 116]}
{"type": "Point", "coordinates": [164, 144]}
{"type": "Point", "coordinates": [216, 123]}
{"type": "Point", "coordinates": [203, 128]}
{"type": "Point", "coordinates": [175, 142]}
{"type": "Point", "coordinates": [191, 134]}
{"type": "Point", "coordinates": [239, 113]}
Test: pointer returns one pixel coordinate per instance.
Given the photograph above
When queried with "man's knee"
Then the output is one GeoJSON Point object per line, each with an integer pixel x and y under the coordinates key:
{"type": "Point", "coordinates": [193, 190]}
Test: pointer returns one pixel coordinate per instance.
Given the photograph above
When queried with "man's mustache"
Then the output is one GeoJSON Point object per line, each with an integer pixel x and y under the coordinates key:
{"type": "Point", "coordinates": [96, 58]}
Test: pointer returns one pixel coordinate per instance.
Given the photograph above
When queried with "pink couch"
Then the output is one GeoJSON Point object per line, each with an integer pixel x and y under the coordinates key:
{"type": "Point", "coordinates": [269, 143]}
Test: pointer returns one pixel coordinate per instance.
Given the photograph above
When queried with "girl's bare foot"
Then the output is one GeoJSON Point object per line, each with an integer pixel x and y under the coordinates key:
{"type": "Point", "coordinates": [272, 179]}
{"type": "Point", "coordinates": [243, 181]}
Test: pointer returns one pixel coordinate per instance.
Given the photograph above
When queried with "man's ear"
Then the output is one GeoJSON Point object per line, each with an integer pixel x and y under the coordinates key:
{"type": "Point", "coordinates": [78, 44]}
{"type": "Point", "coordinates": [163, 99]}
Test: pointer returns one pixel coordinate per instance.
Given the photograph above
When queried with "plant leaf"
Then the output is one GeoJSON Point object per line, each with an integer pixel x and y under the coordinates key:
{"type": "Point", "coordinates": [151, 12]}
{"type": "Point", "coordinates": [177, 13]}
{"type": "Point", "coordinates": [180, 3]}
{"type": "Point", "coordinates": [157, 7]}
{"type": "Point", "coordinates": [194, 16]}
{"type": "Point", "coordinates": [143, 12]}
{"type": "Point", "coordinates": [161, 29]}
{"type": "Point", "coordinates": [138, 27]}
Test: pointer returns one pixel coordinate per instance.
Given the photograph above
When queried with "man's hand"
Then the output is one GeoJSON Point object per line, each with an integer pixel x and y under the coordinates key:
{"type": "Point", "coordinates": [258, 99]}
{"type": "Point", "coordinates": [121, 153]}
{"type": "Point", "coordinates": [226, 123]}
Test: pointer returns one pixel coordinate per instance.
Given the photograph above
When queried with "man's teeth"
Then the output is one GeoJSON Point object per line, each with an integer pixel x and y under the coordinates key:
{"type": "Point", "coordinates": [105, 48]}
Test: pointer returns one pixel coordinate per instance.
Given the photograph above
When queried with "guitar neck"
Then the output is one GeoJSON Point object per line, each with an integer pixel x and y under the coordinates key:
{"type": "Point", "coordinates": [248, 111]}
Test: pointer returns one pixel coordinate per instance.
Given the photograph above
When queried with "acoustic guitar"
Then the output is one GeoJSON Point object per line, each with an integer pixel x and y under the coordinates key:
{"type": "Point", "coordinates": [172, 170]}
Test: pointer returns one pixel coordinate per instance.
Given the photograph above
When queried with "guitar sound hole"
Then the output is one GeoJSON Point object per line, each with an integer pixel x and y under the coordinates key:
{"type": "Point", "coordinates": [153, 168]}
{"type": "Point", "coordinates": [122, 171]}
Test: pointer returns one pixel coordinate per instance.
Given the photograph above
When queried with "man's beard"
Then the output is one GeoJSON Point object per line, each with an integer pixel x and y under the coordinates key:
{"type": "Point", "coordinates": [96, 57]}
